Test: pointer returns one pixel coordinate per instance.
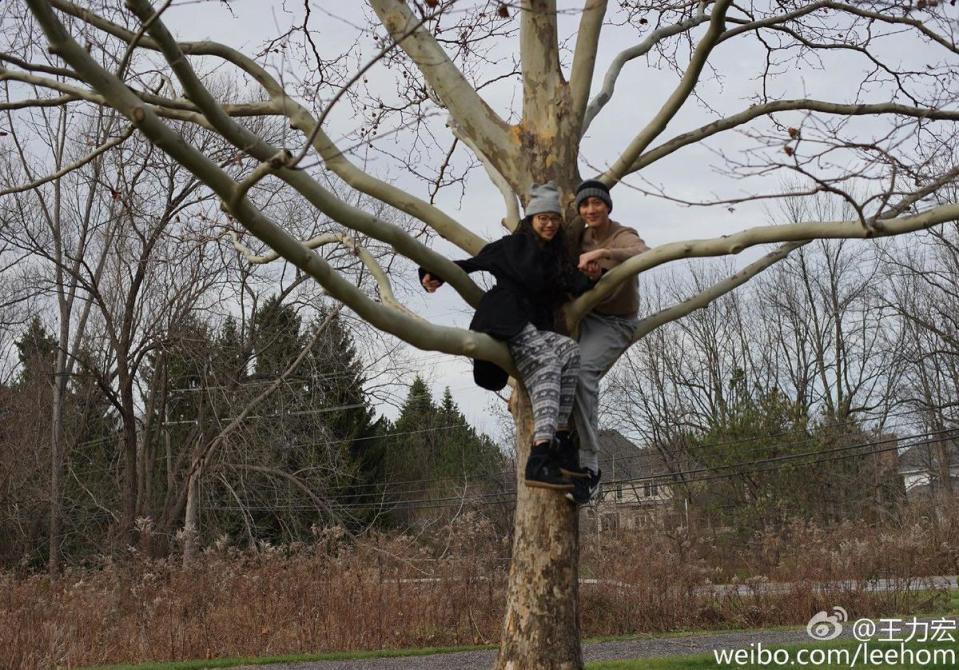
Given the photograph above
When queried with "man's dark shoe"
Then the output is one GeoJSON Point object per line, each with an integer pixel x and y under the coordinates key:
{"type": "Point", "coordinates": [542, 470]}
{"type": "Point", "coordinates": [585, 488]}
{"type": "Point", "coordinates": [567, 455]}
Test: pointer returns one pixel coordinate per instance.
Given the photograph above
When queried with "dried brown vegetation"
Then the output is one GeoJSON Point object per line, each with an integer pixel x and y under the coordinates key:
{"type": "Point", "coordinates": [397, 590]}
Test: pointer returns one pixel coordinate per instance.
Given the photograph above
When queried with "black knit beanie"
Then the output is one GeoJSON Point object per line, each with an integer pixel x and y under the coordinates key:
{"type": "Point", "coordinates": [593, 188]}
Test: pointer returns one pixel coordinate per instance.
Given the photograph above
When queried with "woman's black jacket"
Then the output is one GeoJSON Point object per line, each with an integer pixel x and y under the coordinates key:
{"type": "Point", "coordinates": [530, 287]}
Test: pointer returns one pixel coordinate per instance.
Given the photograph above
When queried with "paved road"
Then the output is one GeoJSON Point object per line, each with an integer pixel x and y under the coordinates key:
{"type": "Point", "coordinates": [599, 651]}
{"type": "Point", "coordinates": [946, 583]}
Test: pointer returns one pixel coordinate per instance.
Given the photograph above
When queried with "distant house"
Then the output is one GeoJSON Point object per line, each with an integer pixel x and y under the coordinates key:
{"type": "Point", "coordinates": [922, 472]}
{"type": "Point", "coordinates": [634, 492]}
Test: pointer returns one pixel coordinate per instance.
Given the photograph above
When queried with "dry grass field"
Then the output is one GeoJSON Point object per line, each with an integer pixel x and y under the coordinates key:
{"type": "Point", "coordinates": [400, 590]}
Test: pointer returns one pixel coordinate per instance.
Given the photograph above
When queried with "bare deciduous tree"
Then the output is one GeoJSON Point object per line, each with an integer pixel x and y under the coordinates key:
{"type": "Point", "coordinates": [923, 293]}
{"type": "Point", "coordinates": [57, 220]}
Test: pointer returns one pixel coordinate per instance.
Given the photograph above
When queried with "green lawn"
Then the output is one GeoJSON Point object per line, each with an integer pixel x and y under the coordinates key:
{"type": "Point", "coordinates": [707, 661]}
{"type": "Point", "coordinates": [700, 662]}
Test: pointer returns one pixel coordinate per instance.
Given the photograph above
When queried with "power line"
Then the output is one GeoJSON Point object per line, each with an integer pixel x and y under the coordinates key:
{"type": "Point", "coordinates": [788, 457]}
{"type": "Point", "coordinates": [737, 473]}
{"type": "Point", "coordinates": [258, 382]}
{"type": "Point", "coordinates": [322, 410]}
{"type": "Point", "coordinates": [380, 489]}
{"type": "Point", "coordinates": [806, 440]}
{"type": "Point", "coordinates": [706, 475]}
{"type": "Point", "coordinates": [507, 496]}
{"type": "Point", "coordinates": [320, 443]}
{"type": "Point", "coordinates": [737, 442]}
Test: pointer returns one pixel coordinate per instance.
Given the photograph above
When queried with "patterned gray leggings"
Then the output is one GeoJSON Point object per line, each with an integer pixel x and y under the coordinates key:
{"type": "Point", "coordinates": [548, 364]}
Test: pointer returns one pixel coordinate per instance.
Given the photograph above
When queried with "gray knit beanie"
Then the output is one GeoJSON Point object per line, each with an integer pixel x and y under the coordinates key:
{"type": "Point", "coordinates": [543, 198]}
{"type": "Point", "coordinates": [593, 188]}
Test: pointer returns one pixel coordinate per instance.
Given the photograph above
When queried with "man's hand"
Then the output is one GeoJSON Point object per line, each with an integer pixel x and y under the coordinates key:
{"type": "Point", "coordinates": [431, 284]}
{"type": "Point", "coordinates": [592, 270]}
{"type": "Point", "coordinates": [593, 256]}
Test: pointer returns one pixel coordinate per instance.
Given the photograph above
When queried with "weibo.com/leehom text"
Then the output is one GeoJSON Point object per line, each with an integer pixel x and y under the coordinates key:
{"type": "Point", "coordinates": [863, 654]}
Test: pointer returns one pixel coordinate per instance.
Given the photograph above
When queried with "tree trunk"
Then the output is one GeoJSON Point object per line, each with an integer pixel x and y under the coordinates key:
{"type": "Point", "coordinates": [129, 505]}
{"type": "Point", "coordinates": [128, 438]}
{"type": "Point", "coordinates": [191, 518]}
{"type": "Point", "coordinates": [541, 626]}
{"type": "Point", "coordinates": [57, 464]}
{"type": "Point", "coordinates": [58, 449]}
{"type": "Point", "coordinates": [945, 470]}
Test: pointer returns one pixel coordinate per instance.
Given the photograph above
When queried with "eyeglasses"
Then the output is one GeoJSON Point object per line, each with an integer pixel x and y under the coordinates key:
{"type": "Point", "coordinates": [548, 218]}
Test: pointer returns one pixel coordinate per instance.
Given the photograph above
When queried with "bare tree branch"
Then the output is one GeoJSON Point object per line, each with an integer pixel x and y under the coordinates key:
{"type": "Point", "coordinates": [675, 101]}
{"type": "Point", "coordinates": [124, 136]}
{"type": "Point", "coordinates": [414, 331]}
{"type": "Point", "coordinates": [735, 243]}
{"type": "Point", "coordinates": [539, 53]}
{"type": "Point", "coordinates": [511, 220]}
{"type": "Point", "coordinates": [37, 102]}
{"type": "Point", "coordinates": [756, 111]}
{"type": "Point", "coordinates": [616, 67]}
{"type": "Point", "coordinates": [584, 59]}
{"type": "Point", "coordinates": [302, 120]}
{"type": "Point", "coordinates": [275, 160]}
{"type": "Point", "coordinates": [374, 268]}
{"type": "Point", "coordinates": [891, 18]}
{"type": "Point", "coordinates": [455, 93]}
{"type": "Point", "coordinates": [704, 298]}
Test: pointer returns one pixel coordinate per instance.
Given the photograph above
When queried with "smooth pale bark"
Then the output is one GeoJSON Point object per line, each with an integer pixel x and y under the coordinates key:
{"type": "Point", "coordinates": [72, 166]}
{"type": "Point", "coordinates": [415, 331]}
{"type": "Point", "coordinates": [539, 53]}
{"type": "Point", "coordinates": [548, 134]}
{"type": "Point", "coordinates": [584, 58]}
{"type": "Point", "coordinates": [541, 626]}
{"type": "Point", "coordinates": [737, 242]}
{"type": "Point", "coordinates": [805, 104]}
{"type": "Point", "coordinates": [510, 200]}
{"type": "Point", "coordinates": [704, 298]}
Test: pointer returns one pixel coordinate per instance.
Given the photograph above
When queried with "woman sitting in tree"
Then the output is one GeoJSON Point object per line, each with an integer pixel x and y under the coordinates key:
{"type": "Point", "coordinates": [534, 277]}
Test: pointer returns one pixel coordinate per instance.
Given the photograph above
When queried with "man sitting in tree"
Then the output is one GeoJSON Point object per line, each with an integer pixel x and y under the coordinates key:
{"type": "Point", "coordinates": [607, 331]}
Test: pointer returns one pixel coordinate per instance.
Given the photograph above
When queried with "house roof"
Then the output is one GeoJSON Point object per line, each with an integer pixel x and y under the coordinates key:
{"type": "Point", "coordinates": [924, 456]}
{"type": "Point", "coordinates": [927, 490]}
{"type": "Point", "coordinates": [619, 458]}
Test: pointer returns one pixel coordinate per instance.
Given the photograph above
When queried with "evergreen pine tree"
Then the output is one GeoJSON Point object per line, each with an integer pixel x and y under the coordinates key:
{"type": "Point", "coordinates": [36, 350]}
{"type": "Point", "coordinates": [435, 454]}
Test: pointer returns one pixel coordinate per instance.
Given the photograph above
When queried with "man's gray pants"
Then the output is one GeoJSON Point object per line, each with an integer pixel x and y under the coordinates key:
{"type": "Point", "coordinates": [602, 339]}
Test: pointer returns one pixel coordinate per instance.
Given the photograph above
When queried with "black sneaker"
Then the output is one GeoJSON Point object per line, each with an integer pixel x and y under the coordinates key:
{"type": "Point", "coordinates": [542, 470]}
{"type": "Point", "coordinates": [585, 488]}
{"type": "Point", "coordinates": [567, 455]}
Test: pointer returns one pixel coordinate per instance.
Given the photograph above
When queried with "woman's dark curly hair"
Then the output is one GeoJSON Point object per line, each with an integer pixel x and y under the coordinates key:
{"type": "Point", "coordinates": [563, 263]}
